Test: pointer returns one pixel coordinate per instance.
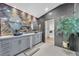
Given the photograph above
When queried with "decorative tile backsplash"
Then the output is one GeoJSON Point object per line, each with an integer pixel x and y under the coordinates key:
{"type": "Point", "coordinates": [13, 20]}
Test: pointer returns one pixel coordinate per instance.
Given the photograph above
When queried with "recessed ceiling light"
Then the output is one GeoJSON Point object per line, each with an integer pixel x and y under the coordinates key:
{"type": "Point", "coordinates": [50, 13]}
{"type": "Point", "coordinates": [8, 10]}
{"type": "Point", "coordinates": [46, 9]}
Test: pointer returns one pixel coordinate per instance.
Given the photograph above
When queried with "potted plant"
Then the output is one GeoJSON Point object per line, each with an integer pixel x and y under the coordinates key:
{"type": "Point", "coordinates": [68, 26]}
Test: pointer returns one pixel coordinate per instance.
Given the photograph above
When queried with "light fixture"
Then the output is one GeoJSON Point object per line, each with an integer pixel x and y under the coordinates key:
{"type": "Point", "coordinates": [17, 21]}
{"type": "Point", "coordinates": [8, 10]}
{"type": "Point", "coordinates": [46, 9]}
{"type": "Point", "coordinates": [4, 18]}
{"type": "Point", "coordinates": [50, 13]}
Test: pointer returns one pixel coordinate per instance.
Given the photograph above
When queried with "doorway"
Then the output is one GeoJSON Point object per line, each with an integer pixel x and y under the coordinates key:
{"type": "Point", "coordinates": [49, 31]}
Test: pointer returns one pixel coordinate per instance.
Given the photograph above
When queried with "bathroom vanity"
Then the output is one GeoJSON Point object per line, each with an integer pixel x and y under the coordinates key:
{"type": "Point", "coordinates": [12, 45]}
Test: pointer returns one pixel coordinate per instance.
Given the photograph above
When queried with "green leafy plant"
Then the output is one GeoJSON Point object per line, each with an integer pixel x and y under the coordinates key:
{"type": "Point", "coordinates": [68, 26]}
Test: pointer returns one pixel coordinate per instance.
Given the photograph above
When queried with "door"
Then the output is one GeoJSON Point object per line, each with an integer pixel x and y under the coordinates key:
{"type": "Point", "coordinates": [49, 31]}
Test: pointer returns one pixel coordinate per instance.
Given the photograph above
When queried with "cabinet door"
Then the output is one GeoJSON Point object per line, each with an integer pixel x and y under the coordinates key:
{"type": "Point", "coordinates": [20, 44]}
{"type": "Point", "coordinates": [5, 47]}
{"type": "Point", "coordinates": [28, 41]}
{"type": "Point", "coordinates": [24, 43]}
{"type": "Point", "coordinates": [16, 46]}
{"type": "Point", "coordinates": [33, 39]}
{"type": "Point", "coordinates": [38, 38]}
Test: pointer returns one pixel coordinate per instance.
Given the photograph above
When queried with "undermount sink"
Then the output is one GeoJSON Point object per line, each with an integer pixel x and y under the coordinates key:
{"type": "Point", "coordinates": [18, 34]}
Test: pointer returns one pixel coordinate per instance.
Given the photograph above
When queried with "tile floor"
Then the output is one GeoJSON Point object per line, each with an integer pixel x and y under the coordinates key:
{"type": "Point", "coordinates": [51, 50]}
{"type": "Point", "coordinates": [47, 49]}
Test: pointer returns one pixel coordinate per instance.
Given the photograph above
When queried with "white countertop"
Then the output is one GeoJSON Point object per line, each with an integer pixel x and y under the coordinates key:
{"type": "Point", "coordinates": [9, 36]}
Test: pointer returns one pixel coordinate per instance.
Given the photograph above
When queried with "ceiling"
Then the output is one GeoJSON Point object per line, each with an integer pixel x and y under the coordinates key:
{"type": "Point", "coordinates": [35, 9]}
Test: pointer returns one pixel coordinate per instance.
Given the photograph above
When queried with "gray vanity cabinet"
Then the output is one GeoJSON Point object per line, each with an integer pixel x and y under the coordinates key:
{"type": "Point", "coordinates": [5, 47]}
{"type": "Point", "coordinates": [20, 44]}
{"type": "Point", "coordinates": [33, 40]}
{"type": "Point", "coordinates": [25, 43]}
{"type": "Point", "coordinates": [37, 38]}
{"type": "Point", "coordinates": [15, 46]}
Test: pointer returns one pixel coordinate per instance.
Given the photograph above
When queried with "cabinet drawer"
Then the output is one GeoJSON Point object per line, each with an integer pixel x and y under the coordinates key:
{"type": "Point", "coordinates": [5, 48]}
{"type": "Point", "coordinates": [5, 54]}
{"type": "Point", "coordinates": [5, 51]}
{"type": "Point", "coordinates": [6, 44]}
{"type": "Point", "coordinates": [4, 41]}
